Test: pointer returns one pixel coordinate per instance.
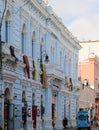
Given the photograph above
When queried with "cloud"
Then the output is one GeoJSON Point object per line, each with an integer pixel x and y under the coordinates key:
{"type": "Point", "coordinates": [85, 28]}
{"type": "Point", "coordinates": [80, 17]}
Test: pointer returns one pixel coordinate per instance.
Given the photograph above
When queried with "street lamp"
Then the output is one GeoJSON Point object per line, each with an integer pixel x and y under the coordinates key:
{"type": "Point", "coordinates": [43, 53]}
{"type": "Point", "coordinates": [1, 20]}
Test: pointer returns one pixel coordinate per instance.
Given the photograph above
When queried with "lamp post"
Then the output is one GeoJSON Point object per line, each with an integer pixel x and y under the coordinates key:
{"type": "Point", "coordinates": [1, 20]}
{"type": "Point", "coordinates": [1, 77]}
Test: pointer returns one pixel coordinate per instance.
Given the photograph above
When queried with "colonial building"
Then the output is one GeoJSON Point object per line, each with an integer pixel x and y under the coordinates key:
{"type": "Point", "coordinates": [39, 67]}
{"type": "Point", "coordinates": [89, 72]}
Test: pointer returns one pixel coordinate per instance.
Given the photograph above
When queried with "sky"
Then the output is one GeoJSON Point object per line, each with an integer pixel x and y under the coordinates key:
{"type": "Point", "coordinates": [81, 17]}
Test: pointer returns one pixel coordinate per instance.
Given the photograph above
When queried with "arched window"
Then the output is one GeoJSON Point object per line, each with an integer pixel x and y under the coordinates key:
{"type": "Point", "coordinates": [33, 99]}
{"type": "Point", "coordinates": [85, 82]}
{"type": "Point", "coordinates": [23, 96]}
{"type": "Point", "coordinates": [41, 99]}
{"type": "Point", "coordinates": [69, 67]}
{"type": "Point", "coordinates": [56, 52]}
{"type": "Point", "coordinates": [52, 54]}
{"type": "Point", "coordinates": [23, 36]}
{"type": "Point", "coordinates": [60, 58]}
{"type": "Point", "coordinates": [41, 44]}
{"type": "Point", "coordinates": [7, 27]}
{"type": "Point", "coordinates": [7, 94]}
{"type": "Point", "coordinates": [41, 47]}
{"type": "Point", "coordinates": [65, 64]}
{"type": "Point", "coordinates": [42, 41]}
{"type": "Point", "coordinates": [33, 40]}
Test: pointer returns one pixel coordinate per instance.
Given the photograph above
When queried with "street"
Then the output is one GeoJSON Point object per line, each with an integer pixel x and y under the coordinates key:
{"type": "Point", "coordinates": [92, 128]}
{"type": "Point", "coordinates": [96, 128]}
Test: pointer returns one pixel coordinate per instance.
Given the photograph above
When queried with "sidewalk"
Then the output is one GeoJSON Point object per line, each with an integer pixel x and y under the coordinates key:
{"type": "Point", "coordinates": [66, 129]}
{"type": "Point", "coordinates": [69, 129]}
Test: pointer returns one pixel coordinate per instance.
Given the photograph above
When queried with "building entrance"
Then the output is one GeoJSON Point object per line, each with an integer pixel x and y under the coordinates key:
{"type": "Point", "coordinates": [6, 115]}
{"type": "Point", "coordinates": [8, 123]}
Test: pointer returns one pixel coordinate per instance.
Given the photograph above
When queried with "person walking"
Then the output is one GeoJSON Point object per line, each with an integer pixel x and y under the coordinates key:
{"type": "Point", "coordinates": [65, 122]}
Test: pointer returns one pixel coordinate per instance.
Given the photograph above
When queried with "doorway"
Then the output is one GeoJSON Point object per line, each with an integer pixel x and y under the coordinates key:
{"type": "Point", "coordinates": [34, 111]}
{"type": "Point", "coordinates": [54, 110]}
{"type": "Point", "coordinates": [24, 110]}
{"type": "Point", "coordinates": [8, 124]}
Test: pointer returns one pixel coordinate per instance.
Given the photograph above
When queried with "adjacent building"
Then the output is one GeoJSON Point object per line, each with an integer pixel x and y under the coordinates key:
{"type": "Point", "coordinates": [89, 73]}
{"type": "Point", "coordinates": [39, 72]}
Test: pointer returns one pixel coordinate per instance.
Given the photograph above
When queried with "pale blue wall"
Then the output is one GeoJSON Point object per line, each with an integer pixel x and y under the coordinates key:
{"type": "Point", "coordinates": [66, 49]}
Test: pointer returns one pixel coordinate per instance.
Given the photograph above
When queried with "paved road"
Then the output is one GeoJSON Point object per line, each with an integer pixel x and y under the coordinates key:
{"type": "Point", "coordinates": [95, 128]}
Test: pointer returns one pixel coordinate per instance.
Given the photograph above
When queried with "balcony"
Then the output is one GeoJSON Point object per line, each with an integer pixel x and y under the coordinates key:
{"type": "Point", "coordinates": [53, 70]}
{"type": "Point", "coordinates": [6, 55]}
{"type": "Point", "coordinates": [11, 57]}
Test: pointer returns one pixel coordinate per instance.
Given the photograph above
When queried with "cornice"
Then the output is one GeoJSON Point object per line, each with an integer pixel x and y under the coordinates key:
{"type": "Point", "coordinates": [9, 75]}
{"type": "Point", "coordinates": [24, 14]}
{"type": "Point", "coordinates": [66, 35]}
{"type": "Point", "coordinates": [55, 22]}
{"type": "Point", "coordinates": [41, 8]}
{"type": "Point", "coordinates": [11, 2]}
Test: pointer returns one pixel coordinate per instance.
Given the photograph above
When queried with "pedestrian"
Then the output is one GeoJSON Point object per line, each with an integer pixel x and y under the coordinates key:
{"type": "Point", "coordinates": [65, 122]}
{"type": "Point", "coordinates": [95, 120]}
{"type": "Point", "coordinates": [92, 119]}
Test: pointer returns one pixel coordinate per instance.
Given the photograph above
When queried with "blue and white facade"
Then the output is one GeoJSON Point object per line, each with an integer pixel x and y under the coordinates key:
{"type": "Point", "coordinates": [32, 29]}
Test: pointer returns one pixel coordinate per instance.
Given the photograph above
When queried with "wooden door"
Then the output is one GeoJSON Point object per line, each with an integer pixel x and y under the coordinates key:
{"type": "Point", "coordinates": [34, 114]}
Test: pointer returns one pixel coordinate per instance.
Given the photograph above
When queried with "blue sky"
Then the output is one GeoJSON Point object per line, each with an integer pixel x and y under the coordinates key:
{"type": "Point", "coordinates": [81, 17]}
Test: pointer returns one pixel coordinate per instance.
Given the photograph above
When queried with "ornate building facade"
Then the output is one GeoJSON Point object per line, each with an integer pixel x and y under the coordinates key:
{"type": "Point", "coordinates": [35, 94]}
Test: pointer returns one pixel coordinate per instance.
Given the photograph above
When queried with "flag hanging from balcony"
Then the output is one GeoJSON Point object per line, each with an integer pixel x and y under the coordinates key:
{"type": "Point", "coordinates": [71, 85]}
{"type": "Point", "coordinates": [66, 81]}
{"type": "Point", "coordinates": [44, 76]}
{"type": "Point", "coordinates": [25, 59]}
{"type": "Point", "coordinates": [12, 51]}
{"type": "Point", "coordinates": [36, 70]}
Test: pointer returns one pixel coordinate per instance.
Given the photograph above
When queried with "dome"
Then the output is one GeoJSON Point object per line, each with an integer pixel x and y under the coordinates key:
{"type": "Point", "coordinates": [91, 56]}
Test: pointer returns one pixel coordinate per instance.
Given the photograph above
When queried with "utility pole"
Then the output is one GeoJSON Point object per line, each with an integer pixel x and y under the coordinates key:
{"type": "Point", "coordinates": [0, 47]}
{"type": "Point", "coordinates": [1, 20]}
{"type": "Point", "coordinates": [2, 13]}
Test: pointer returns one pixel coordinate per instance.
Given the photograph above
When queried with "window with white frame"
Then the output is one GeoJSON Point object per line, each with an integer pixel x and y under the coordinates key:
{"type": "Point", "coordinates": [32, 47]}
{"type": "Point", "coordinates": [52, 55]}
{"type": "Point", "coordinates": [23, 40]}
{"type": "Point", "coordinates": [65, 65]}
{"type": "Point", "coordinates": [7, 26]}
{"type": "Point", "coordinates": [60, 58]}
{"type": "Point", "coordinates": [69, 67]}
